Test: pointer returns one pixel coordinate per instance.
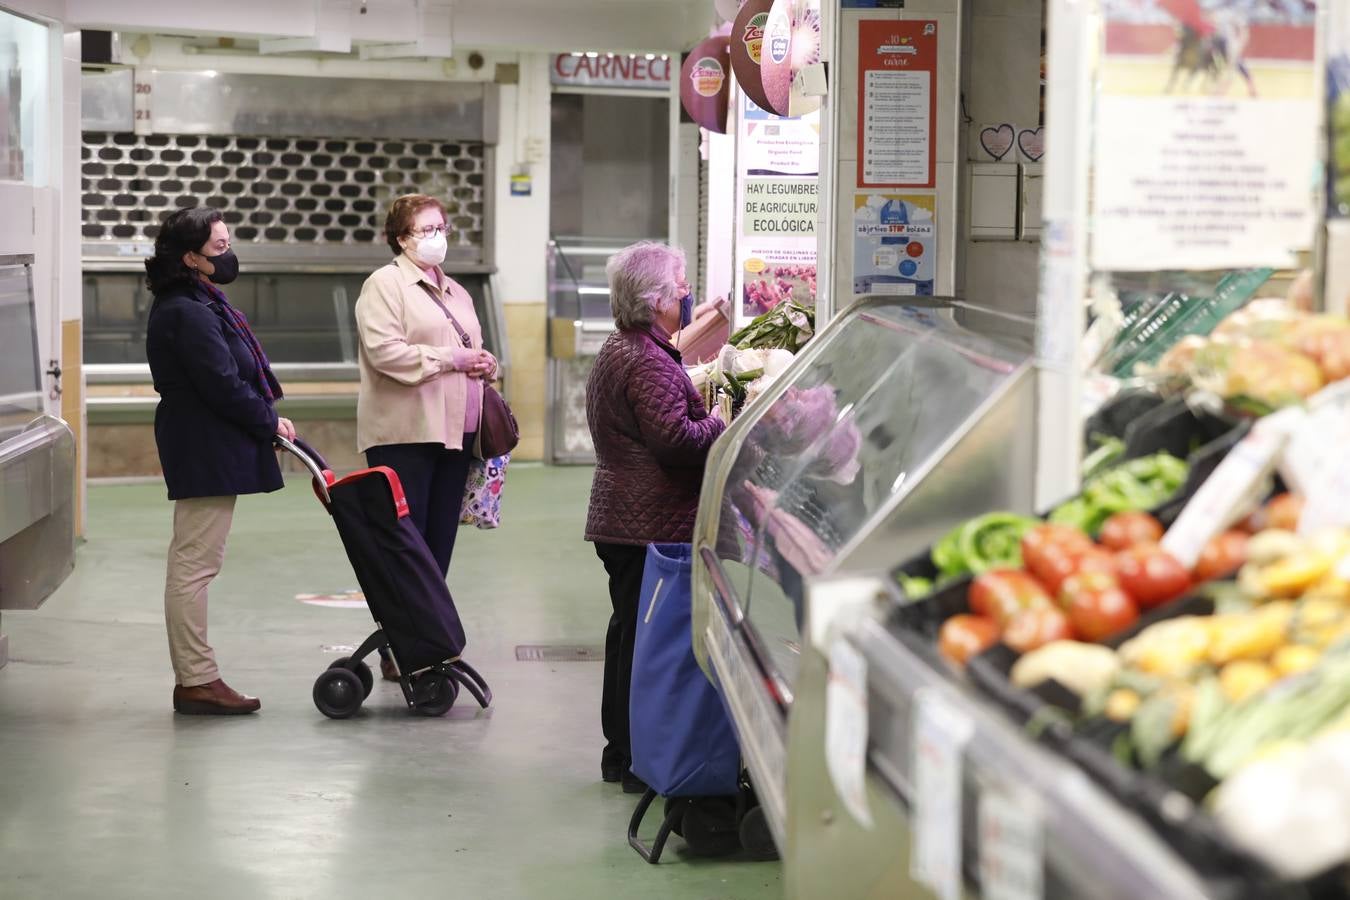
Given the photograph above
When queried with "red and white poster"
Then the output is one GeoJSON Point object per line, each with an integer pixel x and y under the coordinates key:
{"type": "Point", "coordinates": [897, 103]}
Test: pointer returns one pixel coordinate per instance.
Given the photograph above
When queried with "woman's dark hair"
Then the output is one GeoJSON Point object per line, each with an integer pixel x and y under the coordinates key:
{"type": "Point", "coordinates": [401, 214]}
{"type": "Point", "coordinates": [183, 230]}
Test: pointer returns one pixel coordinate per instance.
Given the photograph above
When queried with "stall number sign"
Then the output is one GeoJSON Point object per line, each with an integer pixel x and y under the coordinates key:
{"type": "Point", "coordinates": [617, 70]}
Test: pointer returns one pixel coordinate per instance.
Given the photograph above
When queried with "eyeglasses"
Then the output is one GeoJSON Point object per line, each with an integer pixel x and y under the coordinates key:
{"type": "Point", "coordinates": [429, 231]}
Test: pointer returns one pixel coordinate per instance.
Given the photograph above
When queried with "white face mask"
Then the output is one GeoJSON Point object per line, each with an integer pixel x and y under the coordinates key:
{"type": "Point", "coordinates": [429, 251]}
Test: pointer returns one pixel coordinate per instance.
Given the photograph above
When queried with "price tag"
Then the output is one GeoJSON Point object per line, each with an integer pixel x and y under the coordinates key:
{"type": "Point", "coordinates": [940, 736]}
{"type": "Point", "coordinates": [1315, 465]}
{"type": "Point", "coordinates": [1012, 845]}
{"type": "Point", "coordinates": [1226, 493]}
{"type": "Point", "coordinates": [846, 729]}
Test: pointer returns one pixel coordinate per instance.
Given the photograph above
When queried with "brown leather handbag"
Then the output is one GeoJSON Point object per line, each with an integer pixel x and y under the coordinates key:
{"type": "Point", "coordinates": [498, 432]}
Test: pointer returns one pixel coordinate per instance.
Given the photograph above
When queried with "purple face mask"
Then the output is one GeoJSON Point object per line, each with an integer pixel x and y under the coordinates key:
{"type": "Point", "coordinates": [686, 310]}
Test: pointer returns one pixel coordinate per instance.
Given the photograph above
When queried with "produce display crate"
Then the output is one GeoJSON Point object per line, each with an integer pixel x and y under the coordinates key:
{"type": "Point", "coordinates": [1144, 338]}
{"type": "Point", "coordinates": [1169, 797]}
{"type": "Point", "coordinates": [1170, 427]}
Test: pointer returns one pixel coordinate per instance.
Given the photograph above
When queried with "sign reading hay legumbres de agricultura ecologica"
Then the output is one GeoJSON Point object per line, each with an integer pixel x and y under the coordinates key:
{"type": "Point", "coordinates": [778, 161]}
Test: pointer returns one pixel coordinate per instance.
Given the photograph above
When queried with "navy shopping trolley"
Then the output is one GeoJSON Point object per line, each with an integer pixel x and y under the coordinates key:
{"type": "Point", "coordinates": [683, 743]}
{"type": "Point", "coordinates": [415, 615]}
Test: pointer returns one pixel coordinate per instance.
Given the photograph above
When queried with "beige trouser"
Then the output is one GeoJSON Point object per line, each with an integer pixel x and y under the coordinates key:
{"type": "Point", "coordinates": [200, 526]}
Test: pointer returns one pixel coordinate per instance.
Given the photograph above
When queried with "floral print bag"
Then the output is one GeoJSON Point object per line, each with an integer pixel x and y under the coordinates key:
{"type": "Point", "coordinates": [483, 492]}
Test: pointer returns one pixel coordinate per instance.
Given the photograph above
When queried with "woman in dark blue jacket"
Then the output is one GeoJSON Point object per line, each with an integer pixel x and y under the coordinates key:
{"type": "Point", "coordinates": [213, 426]}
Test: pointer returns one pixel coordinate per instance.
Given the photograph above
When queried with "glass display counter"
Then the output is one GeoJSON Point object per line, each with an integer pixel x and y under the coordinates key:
{"type": "Point", "coordinates": [37, 457]}
{"type": "Point", "coordinates": [579, 321]}
{"type": "Point", "coordinates": [902, 411]}
{"type": "Point", "coordinates": [20, 371]}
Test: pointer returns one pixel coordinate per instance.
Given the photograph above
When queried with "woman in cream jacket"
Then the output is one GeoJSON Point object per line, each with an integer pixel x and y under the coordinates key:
{"type": "Point", "coordinates": [423, 367]}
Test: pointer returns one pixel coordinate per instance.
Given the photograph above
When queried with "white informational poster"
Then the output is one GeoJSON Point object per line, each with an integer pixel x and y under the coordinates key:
{"type": "Point", "coordinates": [1206, 136]}
{"type": "Point", "coordinates": [777, 184]}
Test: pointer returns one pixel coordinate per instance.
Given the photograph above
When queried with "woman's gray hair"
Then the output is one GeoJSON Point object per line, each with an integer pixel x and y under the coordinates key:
{"type": "Point", "coordinates": [642, 282]}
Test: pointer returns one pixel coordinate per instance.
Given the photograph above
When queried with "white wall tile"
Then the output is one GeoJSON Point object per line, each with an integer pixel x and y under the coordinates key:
{"type": "Point", "coordinates": [1005, 64]}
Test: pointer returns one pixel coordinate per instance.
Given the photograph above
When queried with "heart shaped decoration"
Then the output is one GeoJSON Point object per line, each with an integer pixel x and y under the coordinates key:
{"type": "Point", "coordinates": [997, 141]}
{"type": "Point", "coordinates": [1031, 141]}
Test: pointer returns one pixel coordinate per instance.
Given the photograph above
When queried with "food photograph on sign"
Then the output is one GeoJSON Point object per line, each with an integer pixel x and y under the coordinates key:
{"type": "Point", "coordinates": [1217, 48]}
{"type": "Point", "coordinates": [894, 243]}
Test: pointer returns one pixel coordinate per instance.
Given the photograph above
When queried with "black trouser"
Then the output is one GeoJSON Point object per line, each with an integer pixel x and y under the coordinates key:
{"type": "Point", "coordinates": [624, 564]}
{"type": "Point", "coordinates": [433, 481]}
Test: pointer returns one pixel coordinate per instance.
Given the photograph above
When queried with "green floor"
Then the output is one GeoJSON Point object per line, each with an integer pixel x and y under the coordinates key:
{"type": "Point", "coordinates": [104, 792]}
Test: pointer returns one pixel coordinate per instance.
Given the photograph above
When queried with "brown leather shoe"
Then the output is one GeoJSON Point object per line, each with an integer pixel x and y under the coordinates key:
{"type": "Point", "coordinates": [388, 671]}
{"type": "Point", "coordinates": [213, 699]}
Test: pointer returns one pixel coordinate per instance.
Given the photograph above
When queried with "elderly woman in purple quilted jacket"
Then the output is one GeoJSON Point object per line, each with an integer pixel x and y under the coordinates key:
{"type": "Point", "coordinates": [652, 435]}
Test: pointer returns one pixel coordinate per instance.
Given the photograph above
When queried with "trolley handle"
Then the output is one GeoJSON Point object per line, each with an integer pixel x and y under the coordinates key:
{"type": "Point", "coordinates": [311, 459]}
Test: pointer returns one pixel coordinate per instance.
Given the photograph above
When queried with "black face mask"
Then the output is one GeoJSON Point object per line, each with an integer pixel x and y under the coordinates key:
{"type": "Point", "coordinates": [226, 267]}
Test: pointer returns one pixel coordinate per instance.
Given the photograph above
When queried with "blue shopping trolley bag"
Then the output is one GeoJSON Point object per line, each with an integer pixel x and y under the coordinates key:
{"type": "Point", "coordinates": [683, 742]}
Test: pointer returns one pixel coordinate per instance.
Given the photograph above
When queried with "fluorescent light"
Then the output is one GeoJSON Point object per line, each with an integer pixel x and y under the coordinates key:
{"type": "Point", "coordinates": [577, 53]}
{"type": "Point", "coordinates": [593, 290]}
{"type": "Point", "coordinates": [651, 56]}
{"type": "Point", "coordinates": [592, 55]}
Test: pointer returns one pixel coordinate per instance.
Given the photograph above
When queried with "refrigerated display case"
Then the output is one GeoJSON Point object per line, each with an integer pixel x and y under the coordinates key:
{"type": "Point", "coordinates": [37, 458]}
{"type": "Point", "coordinates": [897, 423]}
{"type": "Point", "coordinates": [900, 419]}
{"type": "Point", "coordinates": [579, 321]}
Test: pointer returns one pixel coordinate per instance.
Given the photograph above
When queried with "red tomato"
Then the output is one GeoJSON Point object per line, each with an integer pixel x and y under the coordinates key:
{"type": "Point", "coordinates": [999, 593]}
{"type": "Point", "coordinates": [1282, 511]}
{"type": "Point", "coordinates": [1098, 606]}
{"type": "Point", "coordinates": [1058, 562]}
{"type": "Point", "coordinates": [1035, 627]}
{"type": "Point", "coordinates": [962, 637]}
{"type": "Point", "coordinates": [1037, 540]}
{"type": "Point", "coordinates": [1151, 575]}
{"type": "Point", "coordinates": [1125, 529]}
{"type": "Point", "coordinates": [1222, 556]}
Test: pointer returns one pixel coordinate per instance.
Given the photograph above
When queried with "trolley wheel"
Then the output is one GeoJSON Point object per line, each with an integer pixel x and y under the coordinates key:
{"type": "Point", "coordinates": [338, 693]}
{"type": "Point", "coordinates": [710, 827]}
{"type": "Point", "coordinates": [434, 693]}
{"type": "Point", "coordinates": [756, 838]}
{"type": "Point", "coordinates": [678, 805]}
{"type": "Point", "coordinates": [362, 671]}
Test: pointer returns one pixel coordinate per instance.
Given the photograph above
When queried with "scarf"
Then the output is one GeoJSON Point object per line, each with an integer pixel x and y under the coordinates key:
{"type": "Point", "coordinates": [267, 385]}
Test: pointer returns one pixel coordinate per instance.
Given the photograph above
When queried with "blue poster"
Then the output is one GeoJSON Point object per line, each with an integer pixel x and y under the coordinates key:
{"type": "Point", "coordinates": [894, 243]}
